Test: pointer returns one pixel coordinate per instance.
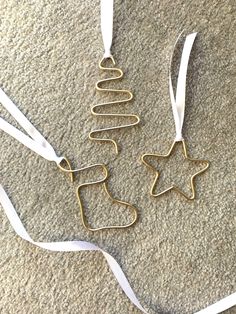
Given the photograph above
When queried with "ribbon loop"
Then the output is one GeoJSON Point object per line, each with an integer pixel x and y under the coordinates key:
{"type": "Point", "coordinates": [178, 100]}
{"type": "Point", "coordinates": [34, 140]}
{"type": "Point", "coordinates": [107, 25]}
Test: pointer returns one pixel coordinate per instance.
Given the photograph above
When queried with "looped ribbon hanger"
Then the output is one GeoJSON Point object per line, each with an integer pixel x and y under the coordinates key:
{"type": "Point", "coordinates": [178, 108]}
{"type": "Point", "coordinates": [107, 8]}
{"type": "Point", "coordinates": [99, 110]}
{"type": "Point", "coordinates": [106, 14]}
{"type": "Point", "coordinates": [76, 246]}
{"type": "Point", "coordinates": [178, 101]}
{"type": "Point", "coordinates": [38, 144]}
{"type": "Point", "coordinates": [35, 141]}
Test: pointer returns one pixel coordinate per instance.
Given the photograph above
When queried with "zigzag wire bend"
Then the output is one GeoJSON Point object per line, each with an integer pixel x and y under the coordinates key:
{"type": "Point", "coordinates": [93, 134]}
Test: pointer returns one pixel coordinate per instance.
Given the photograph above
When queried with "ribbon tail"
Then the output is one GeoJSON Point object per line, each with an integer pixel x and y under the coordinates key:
{"type": "Point", "coordinates": [220, 306]}
{"type": "Point", "coordinates": [68, 246]}
{"type": "Point", "coordinates": [75, 246]}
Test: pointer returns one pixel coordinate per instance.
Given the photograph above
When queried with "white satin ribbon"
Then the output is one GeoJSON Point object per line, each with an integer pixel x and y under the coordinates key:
{"type": "Point", "coordinates": [107, 25]}
{"type": "Point", "coordinates": [178, 101]}
{"type": "Point", "coordinates": [220, 306]}
{"type": "Point", "coordinates": [35, 141]}
{"type": "Point", "coordinates": [76, 246]}
{"type": "Point", "coordinates": [68, 246]}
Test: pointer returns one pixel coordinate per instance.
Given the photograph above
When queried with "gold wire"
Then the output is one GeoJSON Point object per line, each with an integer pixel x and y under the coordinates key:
{"type": "Point", "coordinates": [102, 181]}
{"type": "Point", "coordinates": [174, 187]}
{"type": "Point", "coordinates": [94, 134]}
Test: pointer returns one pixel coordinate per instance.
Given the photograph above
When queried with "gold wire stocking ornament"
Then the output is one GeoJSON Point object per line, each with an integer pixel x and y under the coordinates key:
{"type": "Point", "coordinates": [95, 135]}
{"type": "Point", "coordinates": [178, 107]}
{"type": "Point", "coordinates": [65, 166]}
{"type": "Point", "coordinates": [34, 140]}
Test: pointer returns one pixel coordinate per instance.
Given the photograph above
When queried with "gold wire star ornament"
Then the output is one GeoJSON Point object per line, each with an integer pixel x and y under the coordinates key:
{"type": "Point", "coordinates": [178, 107]}
{"type": "Point", "coordinates": [174, 187]}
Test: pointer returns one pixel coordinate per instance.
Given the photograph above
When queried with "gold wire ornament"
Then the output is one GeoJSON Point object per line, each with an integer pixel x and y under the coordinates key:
{"type": "Point", "coordinates": [175, 187]}
{"type": "Point", "coordinates": [65, 166]}
{"type": "Point", "coordinates": [178, 107]}
{"type": "Point", "coordinates": [95, 135]}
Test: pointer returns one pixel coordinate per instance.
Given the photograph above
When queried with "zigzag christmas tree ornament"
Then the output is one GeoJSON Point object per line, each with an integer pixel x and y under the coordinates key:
{"type": "Point", "coordinates": [125, 96]}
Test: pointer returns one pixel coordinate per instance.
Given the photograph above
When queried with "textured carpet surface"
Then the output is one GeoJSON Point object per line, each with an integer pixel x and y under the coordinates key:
{"type": "Point", "coordinates": [181, 255]}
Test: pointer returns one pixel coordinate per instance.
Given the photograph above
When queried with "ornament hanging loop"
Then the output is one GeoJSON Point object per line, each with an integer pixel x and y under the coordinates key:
{"type": "Point", "coordinates": [68, 168]}
{"type": "Point", "coordinates": [106, 58]}
{"type": "Point", "coordinates": [107, 26]}
{"type": "Point", "coordinates": [178, 99]}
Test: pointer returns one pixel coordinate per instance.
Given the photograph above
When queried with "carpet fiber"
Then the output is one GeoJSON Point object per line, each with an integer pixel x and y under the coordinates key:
{"type": "Point", "coordinates": [181, 255]}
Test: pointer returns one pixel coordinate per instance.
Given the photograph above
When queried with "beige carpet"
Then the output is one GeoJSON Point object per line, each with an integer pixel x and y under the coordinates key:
{"type": "Point", "coordinates": [180, 256]}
